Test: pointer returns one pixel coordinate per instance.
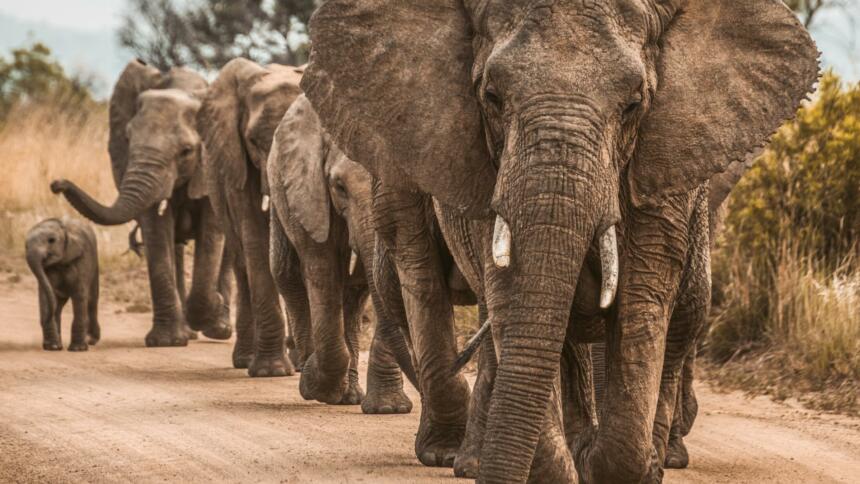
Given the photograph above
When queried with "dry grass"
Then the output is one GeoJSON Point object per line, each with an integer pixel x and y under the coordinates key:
{"type": "Point", "coordinates": [39, 144]}
{"type": "Point", "coordinates": [809, 325]}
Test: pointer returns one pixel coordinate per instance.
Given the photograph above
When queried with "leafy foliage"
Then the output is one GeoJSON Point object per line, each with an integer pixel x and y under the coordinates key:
{"type": "Point", "coordinates": [786, 269]}
{"type": "Point", "coordinates": [806, 186]}
{"type": "Point", "coordinates": [209, 33]}
{"type": "Point", "coordinates": [32, 76]}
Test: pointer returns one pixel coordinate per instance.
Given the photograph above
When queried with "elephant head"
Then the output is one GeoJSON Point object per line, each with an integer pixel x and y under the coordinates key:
{"type": "Point", "coordinates": [154, 145]}
{"type": "Point", "coordinates": [240, 114]}
{"type": "Point", "coordinates": [316, 177]}
{"type": "Point", "coordinates": [552, 116]}
{"type": "Point", "coordinates": [49, 244]}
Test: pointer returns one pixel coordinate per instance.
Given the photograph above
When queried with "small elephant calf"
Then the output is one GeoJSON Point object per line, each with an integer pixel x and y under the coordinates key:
{"type": "Point", "coordinates": [63, 255]}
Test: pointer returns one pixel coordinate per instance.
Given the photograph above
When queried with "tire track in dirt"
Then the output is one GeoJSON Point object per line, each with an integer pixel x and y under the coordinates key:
{"type": "Point", "coordinates": [124, 413]}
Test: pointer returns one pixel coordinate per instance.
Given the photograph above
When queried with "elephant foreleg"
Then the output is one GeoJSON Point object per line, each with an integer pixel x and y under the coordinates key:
{"type": "Point", "coordinates": [354, 300]}
{"type": "Point", "coordinates": [167, 318]}
{"type": "Point", "coordinates": [468, 458]}
{"type": "Point", "coordinates": [686, 324]}
{"type": "Point", "coordinates": [179, 257]}
{"type": "Point", "coordinates": [286, 270]}
{"type": "Point", "coordinates": [246, 341]}
{"type": "Point", "coordinates": [404, 225]}
{"type": "Point", "coordinates": [204, 301]}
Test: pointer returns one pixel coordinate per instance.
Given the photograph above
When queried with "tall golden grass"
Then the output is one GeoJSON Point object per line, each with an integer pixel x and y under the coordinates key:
{"type": "Point", "coordinates": [40, 143]}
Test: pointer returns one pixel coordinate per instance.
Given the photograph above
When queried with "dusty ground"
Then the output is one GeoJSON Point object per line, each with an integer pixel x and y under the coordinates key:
{"type": "Point", "coordinates": [125, 413]}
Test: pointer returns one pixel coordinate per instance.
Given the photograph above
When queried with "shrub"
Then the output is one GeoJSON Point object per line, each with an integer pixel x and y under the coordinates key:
{"type": "Point", "coordinates": [785, 267]}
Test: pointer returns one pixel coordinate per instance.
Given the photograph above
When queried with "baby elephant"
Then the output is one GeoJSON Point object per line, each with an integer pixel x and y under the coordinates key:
{"type": "Point", "coordinates": [63, 255]}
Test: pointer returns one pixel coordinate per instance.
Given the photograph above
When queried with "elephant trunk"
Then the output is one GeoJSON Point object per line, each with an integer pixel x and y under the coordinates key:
{"type": "Point", "coordinates": [140, 188]}
{"type": "Point", "coordinates": [36, 259]}
{"type": "Point", "coordinates": [553, 201]}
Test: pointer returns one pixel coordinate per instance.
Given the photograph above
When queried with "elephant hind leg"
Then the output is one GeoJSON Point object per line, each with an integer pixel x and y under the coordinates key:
{"type": "Point", "coordinates": [94, 331]}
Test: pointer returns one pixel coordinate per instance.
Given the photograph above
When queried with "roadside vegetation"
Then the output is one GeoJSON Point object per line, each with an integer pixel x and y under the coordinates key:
{"type": "Point", "coordinates": [51, 127]}
{"type": "Point", "coordinates": [786, 317]}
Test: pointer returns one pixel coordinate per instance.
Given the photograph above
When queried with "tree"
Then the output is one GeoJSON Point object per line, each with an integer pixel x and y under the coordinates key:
{"type": "Point", "coordinates": [208, 33]}
{"type": "Point", "coordinates": [807, 9]}
{"type": "Point", "coordinates": [33, 76]}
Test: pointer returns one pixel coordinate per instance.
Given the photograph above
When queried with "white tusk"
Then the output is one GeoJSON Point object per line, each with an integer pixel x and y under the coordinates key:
{"type": "Point", "coordinates": [266, 201]}
{"type": "Point", "coordinates": [162, 207]}
{"type": "Point", "coordinates": [501, 243]}
{"type": "Point", "coordinates": [353, 261]}
{"type": "Point", "coordinates": [609, 267]}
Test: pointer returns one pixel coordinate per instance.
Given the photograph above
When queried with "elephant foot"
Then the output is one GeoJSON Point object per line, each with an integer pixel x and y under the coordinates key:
{"type": "Point", "coordinates": [52, 345]}
{"type": "Point", "coordinates": [385, 401]}
{"type": "Point", "coordinates": [436, 445]}
{"type": "Point", "coordinates": [267, 367]}
{"type": "Point", "coordinates": [354, 395]}
{"type": "Point", "coordinates": [315, 385]}
{"type": "Point", "coordinates": [676, 454]}
{"type": "Point", "coordinates": [160, 337]}
{"type": "Point", "coordinates": [190, 333]}
{"type": "Point", "coordinates": [467, 462]}
{"type": "Point", "coordinates": [79, 346]}
{"type": "Point", "coordinates": [93, 339]}
{"type": "Point", "coordinates": [242, 358]}
{"type": "Point", "coordinates": [297, 359]}
{"type": "Point", "coordinates": [222, 330]}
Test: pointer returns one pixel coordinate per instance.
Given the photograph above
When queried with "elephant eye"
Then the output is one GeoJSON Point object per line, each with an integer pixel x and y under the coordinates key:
{"type": "Point", "coordinates": [186, 152]}
{"type": "Point", "coordinates": [492, 98]}
{"type": "Point", "coordinates": [635, 101]}
{"type": "Point", "coordinates": [51, 240]}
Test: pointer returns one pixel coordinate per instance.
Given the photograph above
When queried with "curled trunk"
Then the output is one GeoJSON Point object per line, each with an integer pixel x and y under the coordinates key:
{"type": "Point", "coordinates": [139, 190]}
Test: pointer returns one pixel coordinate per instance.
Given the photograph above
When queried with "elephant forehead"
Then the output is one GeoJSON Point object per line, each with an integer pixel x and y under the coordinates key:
{"type": "Point", "coordinates": [567, 20]}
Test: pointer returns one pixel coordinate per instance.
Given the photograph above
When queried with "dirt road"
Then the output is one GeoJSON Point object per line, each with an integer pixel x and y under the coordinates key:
{"type": "Point", "coordinates": [125, 413]}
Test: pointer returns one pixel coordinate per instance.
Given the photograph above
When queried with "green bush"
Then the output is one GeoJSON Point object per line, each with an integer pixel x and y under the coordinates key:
{"type": "Point", "coordinates": [33, 77]}
{"type": "Point", "coordinates": [785, 267]}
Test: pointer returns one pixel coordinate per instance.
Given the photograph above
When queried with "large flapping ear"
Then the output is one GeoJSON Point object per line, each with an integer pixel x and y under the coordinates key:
{"type": "Point", "coordinates": [729, 73]}
{"type": "Point", "coordinates": [391, 82]}
{"type": "Point", "coordinates": [297, 167]}
{"type": "Point", "coordinates": [221, 118]}
{"type": "Point", "coordinates": [135, 79]}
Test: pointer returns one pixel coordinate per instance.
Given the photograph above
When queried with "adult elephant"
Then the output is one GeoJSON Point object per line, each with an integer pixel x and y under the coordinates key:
{"type": "Point", "coordinates": [557, 126]}
{"type": "Point", "coordinates": [322, 241]}
{"type": "Point", "coordinates": [155, 157]}
{"type": "Point", "coordinates": [237, 121]}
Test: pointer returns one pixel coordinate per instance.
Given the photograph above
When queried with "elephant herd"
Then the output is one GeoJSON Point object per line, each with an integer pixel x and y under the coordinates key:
{"type": "Point", "coordinates": [559, 164]}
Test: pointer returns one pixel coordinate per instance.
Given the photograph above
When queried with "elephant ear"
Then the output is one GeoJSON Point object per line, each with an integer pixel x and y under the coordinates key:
{"type": "Point", "coordinates": [221, 118]}
{"type": "Point", "coordinates": [391, 82]}
{"type": "Point", "coordinates": [76, 241]}
{"type": "Point", "coordinates": [297, 168]}
{"type": "Point", "coordinates": [135, 79]}
{"type": "Point", "coordinates": [728, 73]}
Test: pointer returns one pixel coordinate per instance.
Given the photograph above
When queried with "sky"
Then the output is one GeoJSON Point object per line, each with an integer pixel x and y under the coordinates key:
{"type": "Point", "coordinates": [837, 33]}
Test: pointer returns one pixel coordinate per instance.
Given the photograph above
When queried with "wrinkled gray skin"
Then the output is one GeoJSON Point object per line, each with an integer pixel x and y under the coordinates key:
{"type": "Point", "coordinates": [155, 155]}
{"type": "Point", "coordinates": [63, 255]}
{"type": "Point", "coordinates": [237, 121]}
{"type": "Point", "coordinates": [563, 119]}
{"type": "Point", "coordinates": [320, 214]}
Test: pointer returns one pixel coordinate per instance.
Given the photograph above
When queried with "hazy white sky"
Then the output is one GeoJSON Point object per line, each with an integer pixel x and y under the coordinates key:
{"type": "Point", "coordinates": [93, 15]}
{"type": "Point", "coordinates": [837, 35]}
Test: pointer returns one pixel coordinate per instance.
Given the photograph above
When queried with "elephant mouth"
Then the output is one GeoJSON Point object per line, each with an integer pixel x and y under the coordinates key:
{"type": "Point", "coordinates": [503, 244]}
